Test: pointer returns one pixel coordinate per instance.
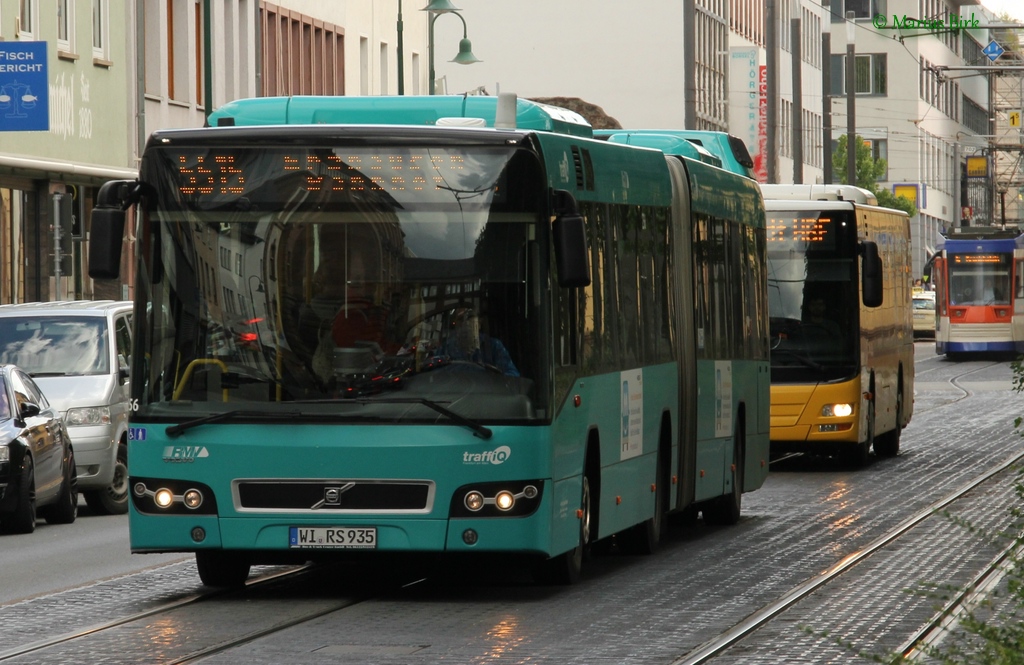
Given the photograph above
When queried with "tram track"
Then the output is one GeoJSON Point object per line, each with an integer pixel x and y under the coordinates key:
{"type": "Point", "coordinates": [956, 382]}
{"type": "Point", "coordinates": [719, 645]}
{"type": "Point", "coordinates": [164, 608]}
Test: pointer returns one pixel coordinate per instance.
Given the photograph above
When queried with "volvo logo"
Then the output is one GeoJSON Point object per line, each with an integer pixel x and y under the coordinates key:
{"type": "Point", "coordinates": [332, 496]}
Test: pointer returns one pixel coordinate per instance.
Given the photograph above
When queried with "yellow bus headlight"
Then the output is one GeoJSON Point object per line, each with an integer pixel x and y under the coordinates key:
{"type": "Point", "coordinates": [837, 410]}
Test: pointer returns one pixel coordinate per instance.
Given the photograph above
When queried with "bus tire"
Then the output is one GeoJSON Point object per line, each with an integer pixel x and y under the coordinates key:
{"type": "Point", "coordinates": [565, 568]}
{"type": "Point", "coordinates": [644, 537]}
{"type": "Point", "coordinates": [888, 444]}
{"type": "Point", "coordinates": [857, 456]}
{"type": "Point", "coordinates": [725, 510]}
{"type": "Point", "coordinates": [218, 568]}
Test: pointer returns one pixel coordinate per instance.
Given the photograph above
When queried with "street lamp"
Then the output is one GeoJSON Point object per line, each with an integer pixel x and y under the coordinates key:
{"type": "Point", "coordinates": [465, 56]}
{"type": "Point", "coordinates": [851, 100]}
{"type": "Point", "coordinates": [401, 52]}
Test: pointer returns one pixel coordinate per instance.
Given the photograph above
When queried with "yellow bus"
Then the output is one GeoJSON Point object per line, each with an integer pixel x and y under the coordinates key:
{"type": "Point", "coordinates": [842, 334]}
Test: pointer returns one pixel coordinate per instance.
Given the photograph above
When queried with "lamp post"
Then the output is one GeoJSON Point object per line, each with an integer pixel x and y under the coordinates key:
{"type": "Point", "coordinates": [401, 52]}
{"type": "Point", "coordinates": [826, 90]}
{"type": "Point", "coordinates": [465, 56]}
{"type": "Point", "coordinates": [851, 102]}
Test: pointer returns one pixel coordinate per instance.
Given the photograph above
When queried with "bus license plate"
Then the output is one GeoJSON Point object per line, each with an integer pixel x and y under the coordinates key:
{"type": "Point", "coordinates": [342, 537]}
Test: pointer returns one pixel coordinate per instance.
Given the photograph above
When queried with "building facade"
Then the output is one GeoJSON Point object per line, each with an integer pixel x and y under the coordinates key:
{"type": "Point", "coordinates": [117, 70]}
{"type": "Point", "coordinates": [75, 139]}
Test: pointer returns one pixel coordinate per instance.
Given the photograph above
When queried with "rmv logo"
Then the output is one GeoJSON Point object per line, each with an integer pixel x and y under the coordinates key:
{"type": "Point", "coordinates": [185, 454]}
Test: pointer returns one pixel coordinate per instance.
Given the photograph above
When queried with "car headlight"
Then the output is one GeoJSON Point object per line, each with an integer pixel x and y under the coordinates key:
{"type": "Point", "coordinates": [5, 454]}
{"type": "Point", "coordinates": [88, 415]}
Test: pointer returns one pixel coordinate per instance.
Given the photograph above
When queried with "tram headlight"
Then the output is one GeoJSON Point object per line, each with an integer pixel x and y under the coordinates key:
{"type": "Point", "coordinates": [837, 410]}
{"type": "Point", "coordinates": [163, 497]}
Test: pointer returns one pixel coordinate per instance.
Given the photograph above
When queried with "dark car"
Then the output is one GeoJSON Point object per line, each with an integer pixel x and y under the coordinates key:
{"type": "Point", "coordinates": [37, 463]}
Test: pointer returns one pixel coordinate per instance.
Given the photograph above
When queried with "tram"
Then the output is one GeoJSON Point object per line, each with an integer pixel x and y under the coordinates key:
{"type": "Point", "coordinates": [978, 274]}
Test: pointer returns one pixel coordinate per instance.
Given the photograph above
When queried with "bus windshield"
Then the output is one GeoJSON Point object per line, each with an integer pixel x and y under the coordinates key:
{"type": "Point", "coordinates": [812, 295]}
{"type": "Point", "coordinates": [350, 282]}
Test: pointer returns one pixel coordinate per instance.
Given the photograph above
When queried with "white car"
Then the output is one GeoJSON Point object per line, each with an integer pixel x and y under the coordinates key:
{"type": "Point", "coordinates": [77, 352]}
{"type": "Point", "coordinates": [924, 314]}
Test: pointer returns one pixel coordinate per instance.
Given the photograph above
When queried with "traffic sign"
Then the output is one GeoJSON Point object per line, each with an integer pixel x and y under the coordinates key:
{"type": "Point", "coordinates": [24, 87]}
{"type": "Point", "coordinates": [993, 50]}
{"type": "Point", "coordinates": [1014, 118]}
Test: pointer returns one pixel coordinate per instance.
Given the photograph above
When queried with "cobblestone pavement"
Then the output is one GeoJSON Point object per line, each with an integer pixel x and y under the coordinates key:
{"type": "Point", "coordinates": [634, 609]}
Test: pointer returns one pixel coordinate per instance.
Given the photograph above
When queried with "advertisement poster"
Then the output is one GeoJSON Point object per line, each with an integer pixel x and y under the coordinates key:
{"type": "Point", "coordinates": [632, 413]}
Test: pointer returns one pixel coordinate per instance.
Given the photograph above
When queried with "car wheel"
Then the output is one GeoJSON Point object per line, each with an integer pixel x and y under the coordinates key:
{"type": "Point", "coordinates": [66, 509]}
{"type": "Point", "coordinates": [113, 499]}
{"type": "Point", "coordinates": [218, 568]}
{"type": "Point", "coordinates": [23, 518]}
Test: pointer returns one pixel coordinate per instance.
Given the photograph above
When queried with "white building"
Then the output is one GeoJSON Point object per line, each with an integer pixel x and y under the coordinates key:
{"type": "Point", "coordinates": [922, 118]}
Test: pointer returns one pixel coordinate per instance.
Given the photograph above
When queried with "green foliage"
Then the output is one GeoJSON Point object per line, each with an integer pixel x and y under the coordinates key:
{"type": "Point", "coordinates": [869, 170]}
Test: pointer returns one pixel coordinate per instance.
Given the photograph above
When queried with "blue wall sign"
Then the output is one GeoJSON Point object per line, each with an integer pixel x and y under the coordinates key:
{"type": "Point", "coordinates": [24, 87]}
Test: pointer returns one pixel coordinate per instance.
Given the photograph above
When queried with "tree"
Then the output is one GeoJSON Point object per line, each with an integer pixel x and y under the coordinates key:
{"type": "Point", "coordinates": [869, 170]}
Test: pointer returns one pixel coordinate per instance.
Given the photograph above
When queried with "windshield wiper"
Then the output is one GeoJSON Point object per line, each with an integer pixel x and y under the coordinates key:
{"type": "Point", "coordinates": [38, 374]}
{"type": "Point", "coordinates": [175, 431]}
{"type": "Point", "coordinates": [804, 360]}
{"type": "Point", "coordinates": [478, 429]}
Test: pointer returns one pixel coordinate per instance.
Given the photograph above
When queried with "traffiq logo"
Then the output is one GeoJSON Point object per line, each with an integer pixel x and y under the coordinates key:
{"type": "Point", "coordinates": [496, 456]}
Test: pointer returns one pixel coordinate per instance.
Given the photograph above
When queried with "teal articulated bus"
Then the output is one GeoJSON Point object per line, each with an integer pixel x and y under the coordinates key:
{"type": "Point", "coordinates": [433, 326]}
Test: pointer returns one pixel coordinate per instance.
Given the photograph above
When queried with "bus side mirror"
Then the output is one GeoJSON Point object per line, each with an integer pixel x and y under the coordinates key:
{"type": "Point", "coordinates": [569, 233]}
{"type": "Point", "coordinates": [571, 258]}
{"type": "Point", "coordinates": [107, 231]}
{"type": "Point", "coordinates": [871, 274]}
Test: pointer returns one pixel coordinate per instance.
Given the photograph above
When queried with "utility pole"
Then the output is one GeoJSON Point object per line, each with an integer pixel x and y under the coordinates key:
{"type": "Point", "coordinates": [851, 102]}
{"type": "Point", "coordinates": [826, 99]}
{"type": "Point", "coordinates": [798, 96]}
{"type": "Point", "coordinates": [771, 47]}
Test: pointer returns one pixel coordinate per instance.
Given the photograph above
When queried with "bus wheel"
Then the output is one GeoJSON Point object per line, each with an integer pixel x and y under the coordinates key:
{"type": "Point", "coordinates": [725, 510]}
{"type": "Point", "coordinates": [222, 569]}
{"type": "Point", "coordinates": [566, 567]}
{"type": "Point", "coordinates": [644, 537]}
{"type": "Point", "coordinates": [857, 456]}
{"type": "Point", "coordinates": [888, 444]}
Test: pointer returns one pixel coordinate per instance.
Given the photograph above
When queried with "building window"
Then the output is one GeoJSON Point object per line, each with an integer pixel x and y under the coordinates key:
{"type": "Point", "coordinates": [860, 9]}
{"type": "Point", "coordinates": [975, 117]}
{"type": "Point", "coordinates": [28, 20]}
{"type": "Point", "coordinates": [101, 31]}
{"type": "Point", "coordinates": [869, 70]}
{"type": "Point", "coordinates": [66, 26]}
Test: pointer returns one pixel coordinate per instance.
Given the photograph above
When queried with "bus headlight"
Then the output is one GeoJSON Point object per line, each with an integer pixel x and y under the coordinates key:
{"type": "Point", "coordinates": [474, 501]}
{"type": "Point", "coordinates": [163, 497]}
{"type": "Point", "coordinates": [837, 410]}
{"type": "Point", "coordinates": [192, 499]}
{"type": "Point", "coordinates": [504, 500]}
{"type": "Point", "coordinates": [497, 499]}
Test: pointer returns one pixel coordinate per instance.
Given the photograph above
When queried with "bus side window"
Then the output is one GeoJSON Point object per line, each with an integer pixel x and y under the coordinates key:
{"type": "Point", "coordinates": [1019, 278]}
